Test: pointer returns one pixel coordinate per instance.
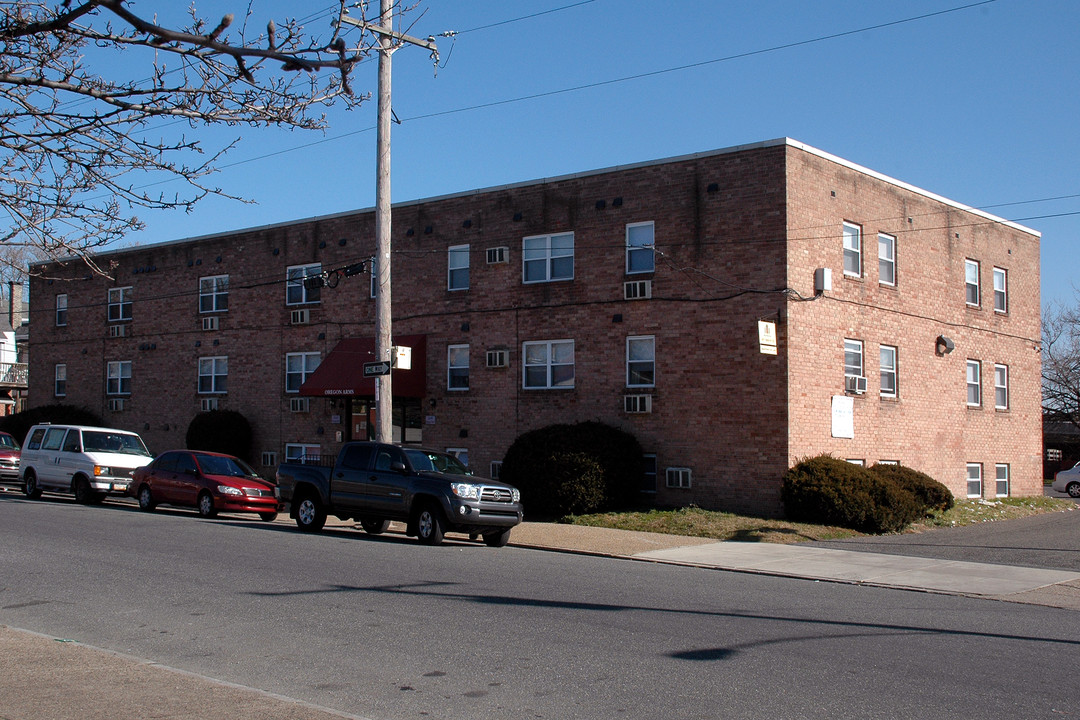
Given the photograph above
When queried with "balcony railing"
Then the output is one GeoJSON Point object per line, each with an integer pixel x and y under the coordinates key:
{"type": "Point", "coordinates": [13, 374]}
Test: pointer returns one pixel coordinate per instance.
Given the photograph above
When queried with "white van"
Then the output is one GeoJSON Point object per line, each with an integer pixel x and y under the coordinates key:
{"type": "Point", "coordinates": [90, 462]}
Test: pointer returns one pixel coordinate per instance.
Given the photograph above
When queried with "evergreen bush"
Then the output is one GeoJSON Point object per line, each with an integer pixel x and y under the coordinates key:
{"type": "Point", "coordinates": [19, 424]}
{"type": "Point", "coordinates": [223, 431]}
{"type": "Point", "coordinates": [929, 492]}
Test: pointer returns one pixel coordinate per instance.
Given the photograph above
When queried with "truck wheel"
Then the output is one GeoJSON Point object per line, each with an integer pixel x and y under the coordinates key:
{"type": "Point", "coordinates": [83, 494]}
{"type": "Point", "coordinates": [375, 526]}
{"type": "Point", "coordinates": [429, 524]}
{"type": "Point", "coordinates": [146, 500]}
{"type": "Point", "coordinates": [310, 514]}
{"type": "Point", "coordinates": [497, 539]}
{"type": "Point", "coordinates": [30, 486]}
{"type": "Point", "coordinates": [206, 505]}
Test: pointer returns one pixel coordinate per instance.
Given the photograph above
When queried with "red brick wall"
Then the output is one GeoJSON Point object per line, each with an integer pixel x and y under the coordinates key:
{"type": "Point", "coordinates": [736, 417]}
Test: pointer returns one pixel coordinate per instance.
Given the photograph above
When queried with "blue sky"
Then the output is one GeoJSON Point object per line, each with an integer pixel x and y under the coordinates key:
{"type": "Point", "coordinates": [979, 104]}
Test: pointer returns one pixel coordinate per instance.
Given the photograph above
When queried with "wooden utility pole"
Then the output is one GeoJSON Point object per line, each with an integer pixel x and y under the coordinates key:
{"type": "Point", "coordinates": [388, 42]}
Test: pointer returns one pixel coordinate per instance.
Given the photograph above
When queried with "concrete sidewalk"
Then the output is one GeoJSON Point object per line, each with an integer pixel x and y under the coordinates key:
{"type": "Point", "coordinates": [43, 678]}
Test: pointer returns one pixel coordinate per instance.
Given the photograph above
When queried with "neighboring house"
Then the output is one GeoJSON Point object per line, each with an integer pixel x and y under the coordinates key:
{"type": "Point", "coordinates": [13, 368]}
{"type": "Point", "coordinates": [1061, 439]}
{"type": "Point", "coordinates": [735, 310]}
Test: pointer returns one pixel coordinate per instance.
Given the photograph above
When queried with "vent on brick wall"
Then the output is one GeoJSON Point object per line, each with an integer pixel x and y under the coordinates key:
{"type": "Point", "coordinates": [116, 404]}
{"type": "Point", "coordinates": [299, 405]}
{"type": "Point", "coordinates": [208, 404]}
{"type": "Point", "coordinates": [269, 459]}
{"type": "Point", "coordinates": [210, 323]}
{"type": "Point", "coordinates": [118, 331]}
{"type": "Point", "coordinates": [300, 317]}
{"type": "Point", "coordinates": [497, 255]}
{"type": "Point", "coordinates": [496, 358]}
{"type": "Point", "coordinates": [678, 477]}
{"type": "Point", "coordinates": [637, 404]}
{"type": "Point", "coordinates": [637, 290]}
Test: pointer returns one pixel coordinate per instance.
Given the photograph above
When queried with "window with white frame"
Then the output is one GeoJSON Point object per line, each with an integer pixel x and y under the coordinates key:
{"type": "Point", "coordinates": [298, 368]}
{"type": "Point", "coordinates": [1001, 480]}
{"type": "Point", "coordinates": [548, 364]}
{"type": "Point", "coordinates": [118, 377]}
{"type": "Point", "coordinates": [857, 461]}
{"type": "Point", "coordinates": [974, 480]}
{"type": "Point", "coordinates": [295, 292]}
{"type": "Point", "coordinates": [214, 294]}
{"type": "Point", "coordinates": [888, 371]}
{"type": "Point", "coordinates": [974, 383]}
{"type": "Point", "coordinates": [888, 462]}
{"type": "Point", "coordinates": [548, 257]}
{"type": "Point", "coordinates": [648, 473]}
{"type": "Point", "coordinates": [457, 268]}
{"type": "Point", "coordinates": [1001, 387]}
{"type": "Point", "coordinates": [852, 250]}
{"type": "Point", "coordinates": [119, 304]}
{"type": "Point", "coordinates": [1001, 290]}
{"type": "Point", "coordinates": [60, 380]}
{"type": "Point", "coordinates": [853, 357]}
{"type": "Point", "coordinates": [213, 374]}
{"type": "Point", "coordinates": [61, 310]}
{"type": "Point", "coordinates": [301, 452]}
{"type": "Point", "coordinates": [971, 282]}
{"type": "Point", "coordinates": [640, 256]}
{"type": "Point", "coordinates": [886, 251]}
{"type": "Point", "coordinates": [641, 361]}
{"type": "Point", "coordinates": [457, 367]}
{"type": "Point", "coordinates": [678, 477]}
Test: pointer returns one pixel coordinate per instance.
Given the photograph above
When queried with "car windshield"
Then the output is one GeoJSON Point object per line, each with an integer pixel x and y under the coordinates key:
{"type": "Point", "coordinates": [427, 461]}
{"type": "Point", "coordinates": [114, 442]}
{"type": "Point", "coordinates": [222, 465]}
{"type": "Point", "coordinates": [7, 442]}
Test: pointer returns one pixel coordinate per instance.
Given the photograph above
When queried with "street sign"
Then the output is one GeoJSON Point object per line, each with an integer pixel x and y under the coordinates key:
{"type": "Point", "coordinates": [376, 368]}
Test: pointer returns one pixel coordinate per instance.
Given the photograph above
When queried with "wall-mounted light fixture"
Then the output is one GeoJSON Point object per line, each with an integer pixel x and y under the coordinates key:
{"type": "Point", "coordinates": [944, 345]}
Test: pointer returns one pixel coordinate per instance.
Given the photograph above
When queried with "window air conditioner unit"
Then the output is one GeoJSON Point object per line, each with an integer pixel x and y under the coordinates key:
{"type": "Point", "coordinates": [117, 331]}
{"type": "Point", "coordinates": [210, 323]}
{"type": "Point", "coordinates": [498, 255]}
{"type": "Point", "coordinates": [637, 290]}
{"type": "Point", "coordinates": [209, 404]}
{"type": "Point", "coordinates": [299, 405]}
{"type": "Point", "coordinates": [855, 384]}
{"type": "Point", "coordinates": [637, 404]}
{"type": "Point", "coordinates": [300, 317]}
{"type": "Point", "coordinates": [116, 404]}
{"type": "Point", "coordinates": [496, 358]}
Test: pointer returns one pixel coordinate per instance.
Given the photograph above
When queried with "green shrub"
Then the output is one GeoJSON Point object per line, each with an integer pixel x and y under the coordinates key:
{"type": "Point", "coordinates": [929, 492]}
{"type": "Point", "coordinates": [19, 424]}
{"type": "Point", "coordinates": [541, 462]}
{"type": "Point", "coordinates": [223, 431]}
{"type": "Point", "coordinates": [831, 491]}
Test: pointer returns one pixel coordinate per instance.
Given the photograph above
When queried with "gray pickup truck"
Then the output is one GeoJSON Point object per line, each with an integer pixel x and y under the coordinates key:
{"type": "Point", "coordinates": [374, 483]}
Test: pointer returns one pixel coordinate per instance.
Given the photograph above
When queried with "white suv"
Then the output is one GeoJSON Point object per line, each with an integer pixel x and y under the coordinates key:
{"type": "Point", "coordinates": [90, 462]}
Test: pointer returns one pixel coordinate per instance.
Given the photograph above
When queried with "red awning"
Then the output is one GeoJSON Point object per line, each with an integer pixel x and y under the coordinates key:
{"type": "Point", "coordinates": [341, 373]}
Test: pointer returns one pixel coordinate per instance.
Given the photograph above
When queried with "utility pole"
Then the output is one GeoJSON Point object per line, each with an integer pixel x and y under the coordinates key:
{"type": "Point", "coordinates": [388, 42]}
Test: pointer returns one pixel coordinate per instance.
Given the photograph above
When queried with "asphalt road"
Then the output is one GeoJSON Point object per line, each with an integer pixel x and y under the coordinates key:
{"type": "Point", "coordinates": [387, 628]}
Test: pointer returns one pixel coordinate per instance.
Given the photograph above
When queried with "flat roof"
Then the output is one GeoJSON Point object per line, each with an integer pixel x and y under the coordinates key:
{"type": "Point", "coordinates": [784, 141]}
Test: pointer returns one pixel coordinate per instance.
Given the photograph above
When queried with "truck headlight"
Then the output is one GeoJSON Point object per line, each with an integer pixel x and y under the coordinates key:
{"type": "Point", "coordinates": [100, 470]}
{"type": "Point", "coordinates": [515, 494]}
{"type": "Point", "coordinates": [228, 490]}
{"type": "Point", "coordinates": [466, 491]}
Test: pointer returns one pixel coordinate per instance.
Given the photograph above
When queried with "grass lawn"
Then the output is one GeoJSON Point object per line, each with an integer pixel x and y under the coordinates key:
{"type": "Point", "coordinates": [696, 522]}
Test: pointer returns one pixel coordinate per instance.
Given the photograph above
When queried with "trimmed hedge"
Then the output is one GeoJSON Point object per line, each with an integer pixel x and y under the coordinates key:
{"type": "Point", "coordinates": [19, 424]}
{"type": "Point", "coordinates": [928, 491]}
{"type": "Point", "coordinates": [831, 491]}
{"type": "Point", "coordinates": [581, 468]}
{"type": "Point", "coordinates": [223, 431]}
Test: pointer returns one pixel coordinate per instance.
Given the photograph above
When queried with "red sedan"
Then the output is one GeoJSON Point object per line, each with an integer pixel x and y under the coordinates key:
{"type": "Point", "coordinates": [211, 482]}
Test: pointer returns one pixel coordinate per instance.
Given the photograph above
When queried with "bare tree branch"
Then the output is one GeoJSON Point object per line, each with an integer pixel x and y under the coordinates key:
{"type": "Point", "coordinates": [78, 152]}
{"type": "Point", "coordinates": [1061, 363]}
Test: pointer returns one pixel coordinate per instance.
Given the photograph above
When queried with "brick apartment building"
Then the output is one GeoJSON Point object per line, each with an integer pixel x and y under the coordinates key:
{"type": "Point", "coordinates": [905, 325]}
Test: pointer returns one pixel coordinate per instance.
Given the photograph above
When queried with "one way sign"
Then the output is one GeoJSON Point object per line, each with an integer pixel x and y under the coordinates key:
{"type": "Point", "coordinates": [376, 368]}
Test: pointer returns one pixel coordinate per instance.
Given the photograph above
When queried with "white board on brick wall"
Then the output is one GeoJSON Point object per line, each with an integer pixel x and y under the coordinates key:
{"type": "Point", "coordinates": [843, 416]}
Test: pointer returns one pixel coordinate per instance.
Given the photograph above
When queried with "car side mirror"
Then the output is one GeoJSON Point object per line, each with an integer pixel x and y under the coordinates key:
{"type": "Point", "coordinates": [191, 471]}
{"type": "Point", "coordinates": [397, 466]}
